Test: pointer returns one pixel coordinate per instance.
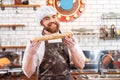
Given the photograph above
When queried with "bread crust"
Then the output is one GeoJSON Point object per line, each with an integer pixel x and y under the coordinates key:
{"type": "Point", "coordinates": [52, 36]}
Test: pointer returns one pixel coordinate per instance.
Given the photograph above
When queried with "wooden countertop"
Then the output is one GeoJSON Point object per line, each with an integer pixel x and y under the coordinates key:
{"type": "Point", "coordinates": [78, 72]}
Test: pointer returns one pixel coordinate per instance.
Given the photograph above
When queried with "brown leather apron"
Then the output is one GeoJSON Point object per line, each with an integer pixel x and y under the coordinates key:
{"type": "Point", "coordinates": [55, 64]}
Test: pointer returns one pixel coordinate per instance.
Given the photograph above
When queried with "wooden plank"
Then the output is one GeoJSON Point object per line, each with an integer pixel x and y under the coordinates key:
{"type": "Point", "coordinates": [12, 5]}
{"type": "Point", "coordinates": [12, 25]}
{"type": "Point", "coordinates": [1, 47]}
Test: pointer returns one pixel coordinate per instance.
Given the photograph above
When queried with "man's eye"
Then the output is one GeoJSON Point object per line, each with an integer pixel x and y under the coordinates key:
{"type": "Point", "coordinates": [54, 16]}
{"type": "Point", "coordinates": [46, 18]}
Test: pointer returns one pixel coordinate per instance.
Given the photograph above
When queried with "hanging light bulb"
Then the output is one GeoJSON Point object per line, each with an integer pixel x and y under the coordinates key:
{"type": "Point", "coordinates": [59, 16]}
{"type": "Point", "coordinates": [81, 9]}
{"type": "Point", "coordinates": [83, 1]}
{"type": "Point", "coordinates": [75, 15]}
{"type": "Point", "coordinates": [67, 18]}
{"type": "Point", "coordinates": [50, 2]}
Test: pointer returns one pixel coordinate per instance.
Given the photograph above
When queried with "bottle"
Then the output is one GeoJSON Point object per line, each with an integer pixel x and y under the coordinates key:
{"type": "Point", "coordinates": [25, 2]}
{"type": "Point", "coordinates": [17, 2]}
{"type": "Point", "coordinates": [0, 2]}
{"type": "Point", "coordinates": [112, 31]}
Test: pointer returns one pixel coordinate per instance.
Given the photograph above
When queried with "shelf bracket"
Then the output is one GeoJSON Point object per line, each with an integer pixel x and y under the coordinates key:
{"type": "Point", "coordinates": [2, 8]}
{"type": "Point", "coordinates": [14, 28]}
{"type": "Point", "coordinates": [34, 8]}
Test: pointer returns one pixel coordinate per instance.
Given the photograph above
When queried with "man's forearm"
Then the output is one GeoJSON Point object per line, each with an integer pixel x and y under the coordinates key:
{"type": "Point", "coordinates": [78, 59]}
{"type": "Point", "coordinates": [29, 68]}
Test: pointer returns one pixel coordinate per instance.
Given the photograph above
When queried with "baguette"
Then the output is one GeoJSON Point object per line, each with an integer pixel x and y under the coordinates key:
{"type": "Point", "coordinates": [52, 36]}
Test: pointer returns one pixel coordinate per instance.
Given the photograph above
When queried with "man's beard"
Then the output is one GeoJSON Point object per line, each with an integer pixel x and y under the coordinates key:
{"type": "Point", "coordinates": [52, 27]}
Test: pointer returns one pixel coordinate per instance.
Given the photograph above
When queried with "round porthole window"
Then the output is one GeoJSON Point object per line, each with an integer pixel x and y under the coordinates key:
{"type": "Point", "coordinates": [67, 10]}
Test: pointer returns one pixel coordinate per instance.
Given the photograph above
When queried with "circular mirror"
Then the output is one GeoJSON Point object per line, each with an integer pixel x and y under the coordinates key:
{"type": "Point", "coordinates": [67, 10]}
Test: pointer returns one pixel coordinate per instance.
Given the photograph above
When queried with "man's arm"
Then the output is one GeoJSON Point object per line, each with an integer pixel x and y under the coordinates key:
{"type": "Point", "coordinates": [28, 66]}
{"type": "Point", "coordinates": [77, 55]}
{"type": "Point", "coordinates": [29, 59]}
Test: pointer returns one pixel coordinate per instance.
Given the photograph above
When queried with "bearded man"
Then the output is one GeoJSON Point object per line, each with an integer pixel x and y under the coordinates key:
{"type": "Point", "coordinates": [52, 56]}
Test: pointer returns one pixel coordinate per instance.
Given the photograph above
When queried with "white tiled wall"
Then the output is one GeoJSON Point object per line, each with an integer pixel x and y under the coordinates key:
{"type": "Point", "coordinates": [91, 19]}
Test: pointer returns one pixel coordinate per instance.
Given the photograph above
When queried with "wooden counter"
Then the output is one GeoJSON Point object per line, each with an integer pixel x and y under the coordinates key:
{"type": "Point", "coordinates": [110, 71]}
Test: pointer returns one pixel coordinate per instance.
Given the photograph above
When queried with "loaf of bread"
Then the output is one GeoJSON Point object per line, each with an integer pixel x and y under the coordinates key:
{"type": "Point", "coordinates": [52, 36]}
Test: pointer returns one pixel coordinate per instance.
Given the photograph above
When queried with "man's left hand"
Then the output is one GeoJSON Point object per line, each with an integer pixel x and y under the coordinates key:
{"type": "Point", "coordinates": [69, 41]}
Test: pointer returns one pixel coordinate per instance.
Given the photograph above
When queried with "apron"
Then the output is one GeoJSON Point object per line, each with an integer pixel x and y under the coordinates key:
{"type": "Point", "coordinates": [55, 64]}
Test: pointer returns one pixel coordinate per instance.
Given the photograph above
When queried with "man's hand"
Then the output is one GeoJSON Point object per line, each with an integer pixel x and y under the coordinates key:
{"type": "Point", "coordinates": [34, 47]}
{"type": "Point", "coordinates": [69, 41]}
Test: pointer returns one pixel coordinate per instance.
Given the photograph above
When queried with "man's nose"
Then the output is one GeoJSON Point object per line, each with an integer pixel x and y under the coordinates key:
{"type": "Point", "coordinates": [52, 19]}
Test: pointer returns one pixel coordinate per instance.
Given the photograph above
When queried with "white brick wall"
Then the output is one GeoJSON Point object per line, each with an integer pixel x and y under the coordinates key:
{"type": "Point", "coordinates": [91, 18]}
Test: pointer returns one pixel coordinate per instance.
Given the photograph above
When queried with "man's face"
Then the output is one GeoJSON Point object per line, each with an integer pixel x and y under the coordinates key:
{"type": "Point", "coordinates": [50, 23]}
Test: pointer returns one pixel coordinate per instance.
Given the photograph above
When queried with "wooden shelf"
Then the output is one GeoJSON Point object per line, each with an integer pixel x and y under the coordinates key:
{"type": "Point", "coordinates": [110, 18]}
{"type": "Point", "coordinates": [1, 47]}
{"type": "Point", "coordinates": [111, 38]}
{"type": "Point", "coordinates": [12, 5]}
{"type": "Point", "coordinates": [12, 25]}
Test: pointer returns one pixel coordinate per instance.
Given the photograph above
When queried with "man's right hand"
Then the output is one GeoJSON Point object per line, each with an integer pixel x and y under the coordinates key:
{"type": "Point", "coordinates": [34, 45]}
